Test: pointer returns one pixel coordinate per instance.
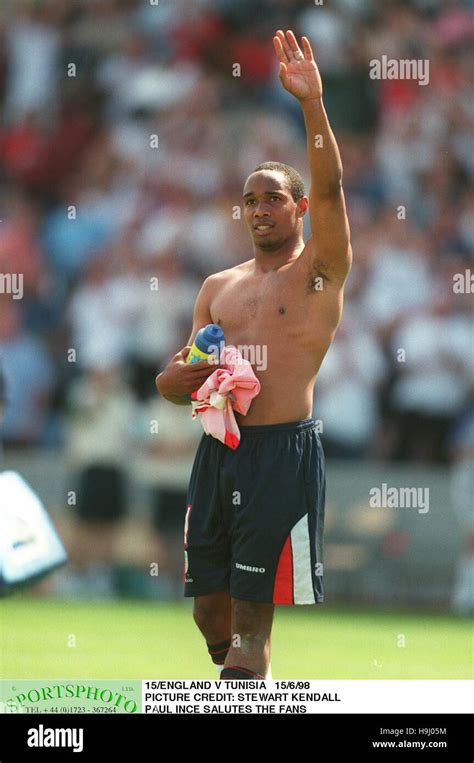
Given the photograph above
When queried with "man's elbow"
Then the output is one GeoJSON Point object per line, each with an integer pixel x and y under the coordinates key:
{"type": "Point", "coordinates": [165, 395]}
{"type": "Point", "coordinates": [336, 187]}
{"type": "Point", "coordinates": [332, 190]}
{"type": "Point", "coordinates": [157, 382]}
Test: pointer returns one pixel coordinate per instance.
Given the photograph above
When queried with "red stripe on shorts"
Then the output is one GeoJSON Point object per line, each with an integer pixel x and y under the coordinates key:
{"type": "Point", "coordinates": [283, 588]}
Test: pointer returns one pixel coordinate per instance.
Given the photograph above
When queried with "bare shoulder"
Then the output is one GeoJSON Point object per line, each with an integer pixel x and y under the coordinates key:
{"type": "Point", "coordinates": [226, 276]}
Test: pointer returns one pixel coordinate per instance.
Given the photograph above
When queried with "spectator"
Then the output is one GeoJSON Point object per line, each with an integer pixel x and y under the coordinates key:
{"type": "Point", "coordinates": [168, 439]}
{"type": "Point", "coordinates": [165, 292]}
{"type": "Point", "coordinates": [100, 315]}
{"type": "Point", "coordinates": [30, 377]}
{"type": "Point", "coordinates": [97, 449]}
{"type": "Point", "coordinates": [346, 390]}
{"type": "Point", "coordinates": [132, 170]}
{"type": "Point", "coordinates": [461, 444]}
{"type": "Point", "coordinates": [435, 370]}
{"type": "Point", "coordinates": [32, 37]}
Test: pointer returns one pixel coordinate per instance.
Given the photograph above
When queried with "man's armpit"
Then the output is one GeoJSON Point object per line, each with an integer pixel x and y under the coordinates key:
{"type": "Point", "coordinates": [318, 278]}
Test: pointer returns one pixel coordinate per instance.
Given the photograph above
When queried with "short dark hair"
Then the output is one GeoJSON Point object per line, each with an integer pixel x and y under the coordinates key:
{"type": "Point", "coordinates": [295, 181]}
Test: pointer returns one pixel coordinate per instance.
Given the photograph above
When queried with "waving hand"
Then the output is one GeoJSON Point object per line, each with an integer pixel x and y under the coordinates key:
{"type": "Point", "coordinates": [299, 73]}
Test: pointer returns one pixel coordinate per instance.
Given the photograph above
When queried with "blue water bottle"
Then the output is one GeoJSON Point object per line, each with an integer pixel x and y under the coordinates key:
{"type": "Point", "coordinates": [209, 342]}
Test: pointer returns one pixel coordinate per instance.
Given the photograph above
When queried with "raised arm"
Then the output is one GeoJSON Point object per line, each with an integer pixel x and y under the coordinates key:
{"type": "Point", "coordinates": [331, 251]}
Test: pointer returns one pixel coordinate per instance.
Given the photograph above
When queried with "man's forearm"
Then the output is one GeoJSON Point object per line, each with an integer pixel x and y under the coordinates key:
{"type": "Point", "coordinates": [323, 153]}
{"type": "Point", "coordinates": [175, 399]}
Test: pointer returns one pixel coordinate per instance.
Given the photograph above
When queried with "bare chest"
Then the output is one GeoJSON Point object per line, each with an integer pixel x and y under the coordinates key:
{"type": "Point", "coordinates": [274, 305]}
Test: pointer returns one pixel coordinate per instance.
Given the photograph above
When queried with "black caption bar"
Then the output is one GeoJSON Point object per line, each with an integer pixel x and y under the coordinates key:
{"type": "Point", "coordinates": [67, 737]}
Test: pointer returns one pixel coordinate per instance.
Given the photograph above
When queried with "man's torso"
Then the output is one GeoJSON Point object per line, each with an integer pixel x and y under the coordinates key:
{"type": "Point", "coordinates": [283, 322]}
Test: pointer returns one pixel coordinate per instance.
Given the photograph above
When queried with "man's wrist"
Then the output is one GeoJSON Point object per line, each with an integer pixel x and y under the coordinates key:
{"type": "Point", "coordinates": [309, 102]}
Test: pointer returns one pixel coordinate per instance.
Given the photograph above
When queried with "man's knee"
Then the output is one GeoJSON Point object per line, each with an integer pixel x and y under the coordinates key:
{"type": "Point", "coordinates": [212, 614]}
{"type": "Point", "coordinates": [251, 623]}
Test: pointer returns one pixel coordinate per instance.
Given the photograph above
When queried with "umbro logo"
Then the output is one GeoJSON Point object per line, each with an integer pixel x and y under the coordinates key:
{"type": "Point", "coordinates": [247, 568]}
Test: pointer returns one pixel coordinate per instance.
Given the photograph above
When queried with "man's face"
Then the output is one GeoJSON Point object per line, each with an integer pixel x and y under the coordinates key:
{"type": "Point", "coordinates": [270, 212]}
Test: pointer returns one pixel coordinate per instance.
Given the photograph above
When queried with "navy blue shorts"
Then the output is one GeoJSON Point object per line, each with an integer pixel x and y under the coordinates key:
{"type": "Point", "coordinates": [255, 516]}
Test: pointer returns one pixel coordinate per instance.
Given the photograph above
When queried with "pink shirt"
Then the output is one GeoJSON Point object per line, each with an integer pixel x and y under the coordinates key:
{"type": "Point", "coordinates": [230, 388]}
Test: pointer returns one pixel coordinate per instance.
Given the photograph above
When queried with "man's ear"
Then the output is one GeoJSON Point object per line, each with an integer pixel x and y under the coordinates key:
{"type": "Point", "coordinates": [303, 206]}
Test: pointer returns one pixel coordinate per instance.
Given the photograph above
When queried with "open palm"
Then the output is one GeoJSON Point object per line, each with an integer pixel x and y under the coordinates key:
{"type": "Point", "coordinates": [299, 73]}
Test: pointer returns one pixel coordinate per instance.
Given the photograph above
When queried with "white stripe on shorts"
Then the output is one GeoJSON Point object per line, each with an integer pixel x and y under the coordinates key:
{"type": "Point", "coordinates": [302, 579]}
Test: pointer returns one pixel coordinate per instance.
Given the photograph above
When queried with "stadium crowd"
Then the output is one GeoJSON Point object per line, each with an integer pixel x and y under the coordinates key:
{"type": "Point", "coordinates": [127, 132]}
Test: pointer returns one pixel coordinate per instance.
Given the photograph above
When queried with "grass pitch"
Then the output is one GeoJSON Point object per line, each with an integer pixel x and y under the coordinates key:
{"type": "Point", "coordinates": [41, 638]}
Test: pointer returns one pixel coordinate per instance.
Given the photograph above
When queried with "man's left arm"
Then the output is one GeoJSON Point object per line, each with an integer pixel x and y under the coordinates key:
{"type": "Point", "coordinates": [299, 74]}
{"type": "Point", "coordinates": [327, 209]}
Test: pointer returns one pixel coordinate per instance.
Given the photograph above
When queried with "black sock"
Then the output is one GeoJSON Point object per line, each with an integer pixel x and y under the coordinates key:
{"type": "Point", "coordinates": [218, 652]}
{"type": "Point", "coordinates": [231, 674]}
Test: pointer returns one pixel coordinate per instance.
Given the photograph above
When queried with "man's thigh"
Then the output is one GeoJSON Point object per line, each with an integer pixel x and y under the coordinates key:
{"type": "Point", "coordinates": [207, 545]}
{"type": "Point", "coordinates": [276, 520]}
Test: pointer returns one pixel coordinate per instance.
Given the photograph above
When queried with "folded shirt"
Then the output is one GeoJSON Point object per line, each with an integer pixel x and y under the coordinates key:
{"type": "Point", "coordinates": [230, 388]}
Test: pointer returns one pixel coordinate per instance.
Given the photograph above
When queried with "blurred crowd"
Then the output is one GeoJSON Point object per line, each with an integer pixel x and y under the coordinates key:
{"type": "Point", "coordinates": [127, 130]}
{"type": "Point", "coordinates": [125, 140]}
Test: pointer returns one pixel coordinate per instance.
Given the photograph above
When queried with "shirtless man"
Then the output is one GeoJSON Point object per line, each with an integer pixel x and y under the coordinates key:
{"type": "Point", "coordinates": [254, 522]}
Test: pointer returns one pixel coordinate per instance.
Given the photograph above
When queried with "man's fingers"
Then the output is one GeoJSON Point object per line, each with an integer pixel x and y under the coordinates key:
{"type": "Point", "coordinates": [279, 49]}
{"type": "Point", "coordinates": [308, 53]}
{"type": "Point", "coordinates": [285, 45]}
{"type": "Point", "coordinates": [181, 356]}
{"type": "Point", "coordinates": [294, 44]}
{"type": "Point", "coordinates": [283, 72]}
{"type": "Point", "coordinates": [196, 381]}
{"type": "Point", "coordinates": [202, 365]}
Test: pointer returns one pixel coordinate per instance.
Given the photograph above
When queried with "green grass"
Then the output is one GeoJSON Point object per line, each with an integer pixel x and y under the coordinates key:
{"type": "Point", "coordinates": [159, 640]}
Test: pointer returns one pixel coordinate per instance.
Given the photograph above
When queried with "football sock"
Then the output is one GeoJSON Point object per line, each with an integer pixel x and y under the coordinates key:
{"type": "Point", "coordinates": [237, 673]}
{"type": "Point", "coordinates": [218, 653]}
